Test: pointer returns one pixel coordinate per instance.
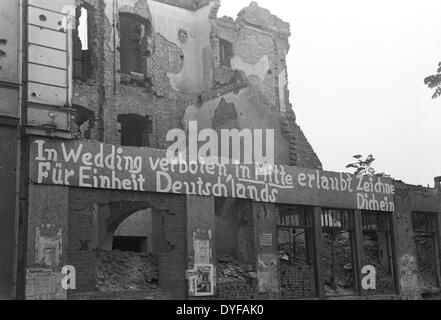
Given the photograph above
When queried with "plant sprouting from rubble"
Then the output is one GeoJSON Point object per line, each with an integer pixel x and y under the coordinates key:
{"type": "Point", "coordinates": [364, 167]}
{"type": "Point", "coordinates": [434, 82]}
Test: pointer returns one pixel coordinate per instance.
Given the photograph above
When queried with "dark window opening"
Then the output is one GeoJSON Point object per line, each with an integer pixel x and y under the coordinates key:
{"type": "Point", "coordinates": [425, 229]}
{"type": "Point", "coordinates": [338, 251]}
{"type": "Point", "coordinates": [225, 53]}
{"type": "Point", "coordinates": [377, 248]}
{"type": "Point", "coordinates": [135, 48]}
{"type": "Point", "coordinates": [84, 122]}
{"type": "Point", "coordinates": [296, 252]}
{"type": "Point", "coordinates": [135, 130]}
{"type": "Point", "coordinates": [130, 244]}
{"type": "Point", "coordinates": [82, 38]}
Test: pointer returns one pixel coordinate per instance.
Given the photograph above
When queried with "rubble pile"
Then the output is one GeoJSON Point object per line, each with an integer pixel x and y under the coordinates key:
{"type": "Point", "coordinates": [385, 282]}
{"type": "Point", "coordinates": [122, 271]}
{"type": "Point", "coordinates": [337, 264]}
{"type": "Point", "coordinates": [235, 280]}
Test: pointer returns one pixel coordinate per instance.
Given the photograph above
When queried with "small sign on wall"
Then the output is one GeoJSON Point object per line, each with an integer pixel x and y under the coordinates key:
{"type": "Point", "coordinates": [44, 284]}
{"type": "Point", "coordinates": [266, 240]}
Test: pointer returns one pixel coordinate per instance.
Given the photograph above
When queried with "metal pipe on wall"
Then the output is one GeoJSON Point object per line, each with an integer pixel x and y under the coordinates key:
{"type": "Point", "coordinates": [19, 133]}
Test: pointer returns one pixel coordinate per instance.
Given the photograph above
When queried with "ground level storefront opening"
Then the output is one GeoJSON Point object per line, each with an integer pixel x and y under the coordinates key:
{"type": "Point", "coordinates": [133, 240]}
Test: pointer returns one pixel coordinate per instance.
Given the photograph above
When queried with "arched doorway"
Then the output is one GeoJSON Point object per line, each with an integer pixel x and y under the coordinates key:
{"type": "Point", "coordinates": [135, 233]}
{"type": "Point", "coordinates": [105, 269]}
{"type": "Point", "coordinates": [129, 260]}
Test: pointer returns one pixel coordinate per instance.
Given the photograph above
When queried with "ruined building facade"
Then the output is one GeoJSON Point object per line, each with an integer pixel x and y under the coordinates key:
{"type": "Point", "coordinates": [125, 73]}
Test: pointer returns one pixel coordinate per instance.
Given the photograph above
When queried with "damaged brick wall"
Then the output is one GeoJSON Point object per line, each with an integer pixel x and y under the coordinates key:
{"type": "Point", "coordinates": [260, 44]}
{"type": "Point", "coordinates": [297, 281]}
{"type": "Point", "coordinates": [236, 254]}
{"type": "Point", "coordinates": [47, 241]}
{"type": "Point", "coordinates": [108, 93]}
{"type": "Point", "coordinates": [409, 199]}
{"type": "Point", "coordinates": [257, 58]}
{"type": "Point", "coordinates": [187, 4]}
{"type": "Point", "coordinates": [167, 58]}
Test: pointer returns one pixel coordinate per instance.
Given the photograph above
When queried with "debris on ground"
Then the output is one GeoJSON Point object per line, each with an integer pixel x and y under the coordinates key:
{"type": "Point", "coordinates": [119, 271]}
{"type": "Point", "coordinates": [235, 280]}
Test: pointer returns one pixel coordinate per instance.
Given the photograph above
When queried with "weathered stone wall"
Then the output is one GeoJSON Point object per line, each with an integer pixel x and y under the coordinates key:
{"type": "Point", "coordinates": [410, 199]}
{"type": "Point", "coordinates": [47, 241]}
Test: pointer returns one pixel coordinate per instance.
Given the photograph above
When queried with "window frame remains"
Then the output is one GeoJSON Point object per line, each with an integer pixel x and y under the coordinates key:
{"type": "Point", "coordinates": [427, 223]}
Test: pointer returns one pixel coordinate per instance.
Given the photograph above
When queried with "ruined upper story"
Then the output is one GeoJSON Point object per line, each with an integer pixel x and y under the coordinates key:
{"type": "Point", "coordinates": [133, 69]}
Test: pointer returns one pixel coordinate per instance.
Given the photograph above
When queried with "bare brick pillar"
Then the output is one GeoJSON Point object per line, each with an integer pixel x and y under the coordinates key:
{"type": "Point", "coordinates": [265, 222]}
{"type": "Point", "coordinates": [200, 238]}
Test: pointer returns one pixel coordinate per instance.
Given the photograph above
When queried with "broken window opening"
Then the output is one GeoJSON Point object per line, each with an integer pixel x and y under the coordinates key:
{"type": "Point", "coordinates": [83, 29]}
{"type": "Point", "coordinates": [82, 43]}
{"type": "Point", "coordinates": [378, 252]}
{"type": "Point", "coordinates": [296, 252]}
{"type": "Point", "coordinates": [225, 53]}
{"type": "Point", "coordinates": [425, 229]}
{"type": "Point", "coordinates": [338, 251]}
{"type": "Point", "coordinates": [135, 130]}
{"type": "Point", "coordinates": [130, 244]}
{"type": "Point", "coordinates": [84, 122]}
{"type": "Point", "coordinates": [135, 47]}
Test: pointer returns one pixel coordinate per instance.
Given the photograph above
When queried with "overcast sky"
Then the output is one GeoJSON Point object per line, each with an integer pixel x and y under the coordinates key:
{"type": "Point", "coordinates": [356, 71]}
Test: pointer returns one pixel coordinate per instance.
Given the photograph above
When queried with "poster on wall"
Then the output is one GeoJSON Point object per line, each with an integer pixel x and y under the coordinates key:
{"type": "Point", "coordinates": [191, 277]}
{"type": "Point", "coordinates": [201, 282]}
{"type": "Point", "coordinates": [204, 280]}
{"type": "Point", "coordinates": [202, 251]}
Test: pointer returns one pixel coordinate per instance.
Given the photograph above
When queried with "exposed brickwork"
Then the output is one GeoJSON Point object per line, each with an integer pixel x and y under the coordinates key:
{"type": "Point", "coordinates": [297, 281]}
{"type": "Point", "coordinates": [167, 58]}
{"type": "Point", "coordinates": [107, 97]}
{"type": "Point", "coordinates": [187, 4]}
{"type": "Point", "coordinates": [263, 19]}
{"type": "Point", "coordinates": [253, 38]}
{"type": "Point", "coordinates": [231, 289]}
{"type": "Point", "coordinates": [409, 199]}
{"type": "Point", "coordinates": [384, 286]}
{"type": "Point", "coordinates": [306, 157]}
{"type": "Point", "coordinates": [257, 35]}
{"type": "Point", "coordinates": [80, 253]}
{"type": "Point", "coordinates": [140, 8]}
